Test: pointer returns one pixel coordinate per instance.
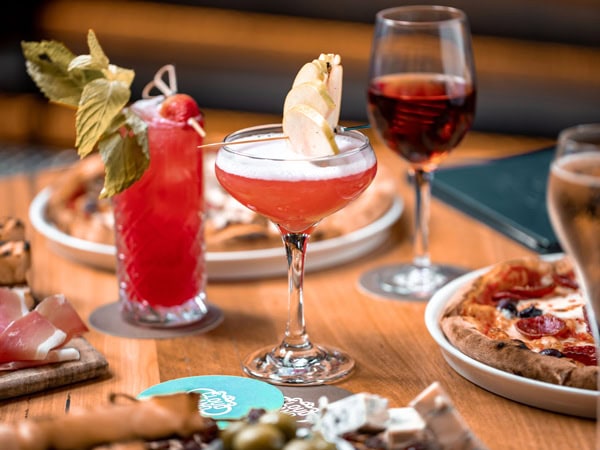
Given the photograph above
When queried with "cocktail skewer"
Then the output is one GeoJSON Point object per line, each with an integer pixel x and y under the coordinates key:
{"type": "Point", "coordinates": [339, 128]}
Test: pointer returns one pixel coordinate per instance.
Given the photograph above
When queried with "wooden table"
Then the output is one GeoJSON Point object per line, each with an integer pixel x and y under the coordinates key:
{"type": "Point", "coordinates": [396, 357]}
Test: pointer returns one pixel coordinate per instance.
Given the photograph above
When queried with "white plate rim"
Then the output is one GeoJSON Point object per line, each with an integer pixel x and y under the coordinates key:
{"type": "Point", "coordinates": [582, 402]}
{"type": "Point", "coordinates": [39, 222]}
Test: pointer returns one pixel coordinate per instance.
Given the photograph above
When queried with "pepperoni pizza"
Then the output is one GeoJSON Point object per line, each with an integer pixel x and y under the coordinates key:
{"type": "Point", "coordinates": [526, 317]}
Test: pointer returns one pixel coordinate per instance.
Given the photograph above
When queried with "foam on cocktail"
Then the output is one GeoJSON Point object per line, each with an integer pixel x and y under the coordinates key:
{"type": "Point", "coordinates": [303, 168]}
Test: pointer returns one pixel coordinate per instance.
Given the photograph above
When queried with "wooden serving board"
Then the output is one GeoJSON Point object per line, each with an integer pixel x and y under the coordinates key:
{"type": "Point", "coordinates": [91, 364]}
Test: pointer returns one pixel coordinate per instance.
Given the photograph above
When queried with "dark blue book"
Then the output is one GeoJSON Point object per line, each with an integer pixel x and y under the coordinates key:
{"type": "Point", "coordinates": [507, 194]}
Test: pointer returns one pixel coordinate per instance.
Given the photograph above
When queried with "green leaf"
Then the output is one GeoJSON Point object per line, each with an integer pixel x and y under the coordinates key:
{"type": "Point", "coordinates": [96, 61]}
{"type": "Point", "coordinates": [101, 101]}
{"type": "Point", "coordinates": [100, 91]}
{"type": "Point", "coordinates": [119, 74]}
{"type": "Point", "coordinates": [96, 52]}
{"type": "Point", "coordinates": [139, 128]}
{"type": "Point", "coordinates": [124, 161]}
{"type": "Point", "coordinates": [47, 63]}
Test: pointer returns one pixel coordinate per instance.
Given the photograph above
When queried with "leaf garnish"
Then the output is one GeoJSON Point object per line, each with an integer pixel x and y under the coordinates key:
{"type": "Point", "coordinates": [101, 101]}
{"type": "Point", "coordinates": [100, 91]}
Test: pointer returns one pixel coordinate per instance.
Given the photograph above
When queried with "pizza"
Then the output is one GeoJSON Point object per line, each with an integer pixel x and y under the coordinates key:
{"type": "Point", "coordinates": [75, 208]}
{"type": "Point", "coordinates": [526, 317]}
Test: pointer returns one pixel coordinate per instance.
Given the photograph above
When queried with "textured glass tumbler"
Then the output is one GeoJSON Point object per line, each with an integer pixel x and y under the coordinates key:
{"type": "Point", "coordinates": [159, 226]}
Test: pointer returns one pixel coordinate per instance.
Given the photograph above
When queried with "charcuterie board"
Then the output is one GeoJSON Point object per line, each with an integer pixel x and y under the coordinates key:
{"type": "Point", "coordinates": [91, 364]}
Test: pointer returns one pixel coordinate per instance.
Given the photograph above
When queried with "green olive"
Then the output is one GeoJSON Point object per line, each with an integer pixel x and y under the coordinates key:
{"type": "Point", "coordinates": [228, 433]}
{"type": "Point", "coordinates": [313, 443]}
{"type": "Point", "coordinates": [299, 444]}
{"type": "Point", "coordinates": [258, 436]}
{"type": "Point", "coordinates": [320, 443]}
{"type": "Point", "coordinates": [284, 422]}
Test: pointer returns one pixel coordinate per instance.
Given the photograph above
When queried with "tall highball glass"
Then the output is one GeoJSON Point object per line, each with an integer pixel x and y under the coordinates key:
{"type": "Point", "coordinates": [421, 103]}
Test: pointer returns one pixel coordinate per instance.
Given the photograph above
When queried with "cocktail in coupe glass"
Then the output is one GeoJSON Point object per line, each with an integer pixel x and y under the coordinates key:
{"type": "Point", "coordinates": [295, 192]}
{"type": "Point", "coordinates": [159, 228]}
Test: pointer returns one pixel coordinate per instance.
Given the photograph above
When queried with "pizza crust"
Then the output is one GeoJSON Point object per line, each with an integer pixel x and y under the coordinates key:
{"type": "Point", "coordinates": [458, 322]}
{"type": "Point", "coordinates": [512, 357]}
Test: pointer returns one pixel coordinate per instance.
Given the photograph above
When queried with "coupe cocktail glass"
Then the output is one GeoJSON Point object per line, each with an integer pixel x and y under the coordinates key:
{"type": "Point", "coordinates": [295, 192]}
{"type": "Point", "coordinates": [159, 228]}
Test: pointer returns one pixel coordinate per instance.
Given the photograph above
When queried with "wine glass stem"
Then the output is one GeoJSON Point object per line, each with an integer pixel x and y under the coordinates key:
{"type": "Point", "coordinates": [295, 332]}
{"type": "Point", "coordinates": [422, 184]}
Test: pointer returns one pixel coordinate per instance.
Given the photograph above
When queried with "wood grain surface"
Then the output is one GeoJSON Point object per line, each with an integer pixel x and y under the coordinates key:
{"type": "Point", "coordinates": [396, 357]}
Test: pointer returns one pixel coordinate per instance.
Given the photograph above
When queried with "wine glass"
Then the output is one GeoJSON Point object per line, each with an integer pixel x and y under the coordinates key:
{"type": "Point", "coordinates": [573, 199]}
{"type": "Point", "coordinates": [421, 102]}
{"type": "Point", "coordinates": [295, 192]}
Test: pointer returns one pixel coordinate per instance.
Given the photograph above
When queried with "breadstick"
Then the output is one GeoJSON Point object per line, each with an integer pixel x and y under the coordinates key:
{"type": "Point", "coordinates": [149, 419]}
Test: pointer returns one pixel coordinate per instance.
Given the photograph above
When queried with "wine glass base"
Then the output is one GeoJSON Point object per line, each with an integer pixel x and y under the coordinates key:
{"type": "Point", "coordinates": [408, 282]}
{"type": "Point", "coordinates": [319, 365]}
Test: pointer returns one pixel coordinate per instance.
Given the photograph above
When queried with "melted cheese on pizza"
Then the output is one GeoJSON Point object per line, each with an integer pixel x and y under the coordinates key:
{"type": "Point", "coordinates": [538, 308]}
{"type": "Point", "coordinates": [569, 308]}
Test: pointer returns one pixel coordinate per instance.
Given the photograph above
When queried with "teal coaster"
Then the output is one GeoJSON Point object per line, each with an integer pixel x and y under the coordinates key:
{"type": "Point", "coordinates": [223, 397]}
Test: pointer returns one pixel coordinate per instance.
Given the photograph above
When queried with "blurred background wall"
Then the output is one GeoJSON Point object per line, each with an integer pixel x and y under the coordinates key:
{"type": "Point", "coordinates": [538, 61]}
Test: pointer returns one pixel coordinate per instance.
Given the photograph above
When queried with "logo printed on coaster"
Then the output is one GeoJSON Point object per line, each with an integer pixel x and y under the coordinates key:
{"type": "Point", "coordinates": [223, 396]}
{"type": "Point", "coordinates": [303, 401]}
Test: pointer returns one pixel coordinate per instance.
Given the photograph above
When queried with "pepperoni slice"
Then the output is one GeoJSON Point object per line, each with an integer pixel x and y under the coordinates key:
{"type": "Point", "coordinates": [566, 280]}
{"type": "Point", "coordinates": [533, 291]}
{"type": "Point", "coordinates": [538, 326]}
{"type": "Point", "coordinates": [525, 292]}
{"type": "Point", "coordinates": [585, 354]}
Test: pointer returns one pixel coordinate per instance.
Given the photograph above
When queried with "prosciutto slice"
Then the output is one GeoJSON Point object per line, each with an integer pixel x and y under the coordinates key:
{"type": "Point", "coordinates": [40, 336]}
{"type": "Point", "coordinates": [61, 313]}
{"type": "Point", "coordinates": [12, 306]}
{"type": "Point", "coordinates": [29, 337]}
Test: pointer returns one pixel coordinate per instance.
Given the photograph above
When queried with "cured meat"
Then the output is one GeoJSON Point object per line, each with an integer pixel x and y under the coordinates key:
{"type": "Point", "coordinates": [12, 306]}
{"type": "Point", "coordinates": [61, 313]}
{"type": "Point", "coordinates": [54, 356]}
{"type": "Point", "coordinates": [29, 337]}
{"type": "Point", "coordinates": [41, 336]}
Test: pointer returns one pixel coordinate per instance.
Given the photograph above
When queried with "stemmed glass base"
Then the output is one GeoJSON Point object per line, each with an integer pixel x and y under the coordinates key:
{"type": "Point", "coordinates": [286, 365]}
{"type": "Point", "coordinates": [407, 281]}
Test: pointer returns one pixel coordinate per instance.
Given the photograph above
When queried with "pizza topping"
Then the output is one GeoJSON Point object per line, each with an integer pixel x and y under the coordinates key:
{"type": "Point", "coordinates": [530, 311]}
{"type": "Point", "coordinates": [585, 354]}
{"type": "Point", "coordinates": [508, 307]}
{"type": "Point", "coordinates": [538, 326]}
{"type": "Point", "coordinates": [566, 280]}
{"type": "Point", "coordinates": [552, 352]}
{"type": "Point", "coordinates": [525, 292]}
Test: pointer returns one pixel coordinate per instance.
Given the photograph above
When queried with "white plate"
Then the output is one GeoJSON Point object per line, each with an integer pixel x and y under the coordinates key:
{"type": "Point", "coordinates": [228, 265]}
{"type": "Point", "coordinates": [562, 399]}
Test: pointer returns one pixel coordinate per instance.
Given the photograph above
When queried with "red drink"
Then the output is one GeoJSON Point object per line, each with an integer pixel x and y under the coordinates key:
{"type": "Point", "coordinates": [422, 117]}
{"type": "Point", "coordinates": [259, 167]}
{"type": "Point", "coordinates": [294, 194]}
{"type": "Point", "coordinates": [296, 205]}
{"type": "Point", "coordinates": [159, 228]}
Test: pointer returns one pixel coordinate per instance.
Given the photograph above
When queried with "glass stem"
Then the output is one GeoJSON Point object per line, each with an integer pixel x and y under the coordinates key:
{"type": "Point", "coordinates": [422, 184]}
{"type": "Point", "coordinates": [295, 332]}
